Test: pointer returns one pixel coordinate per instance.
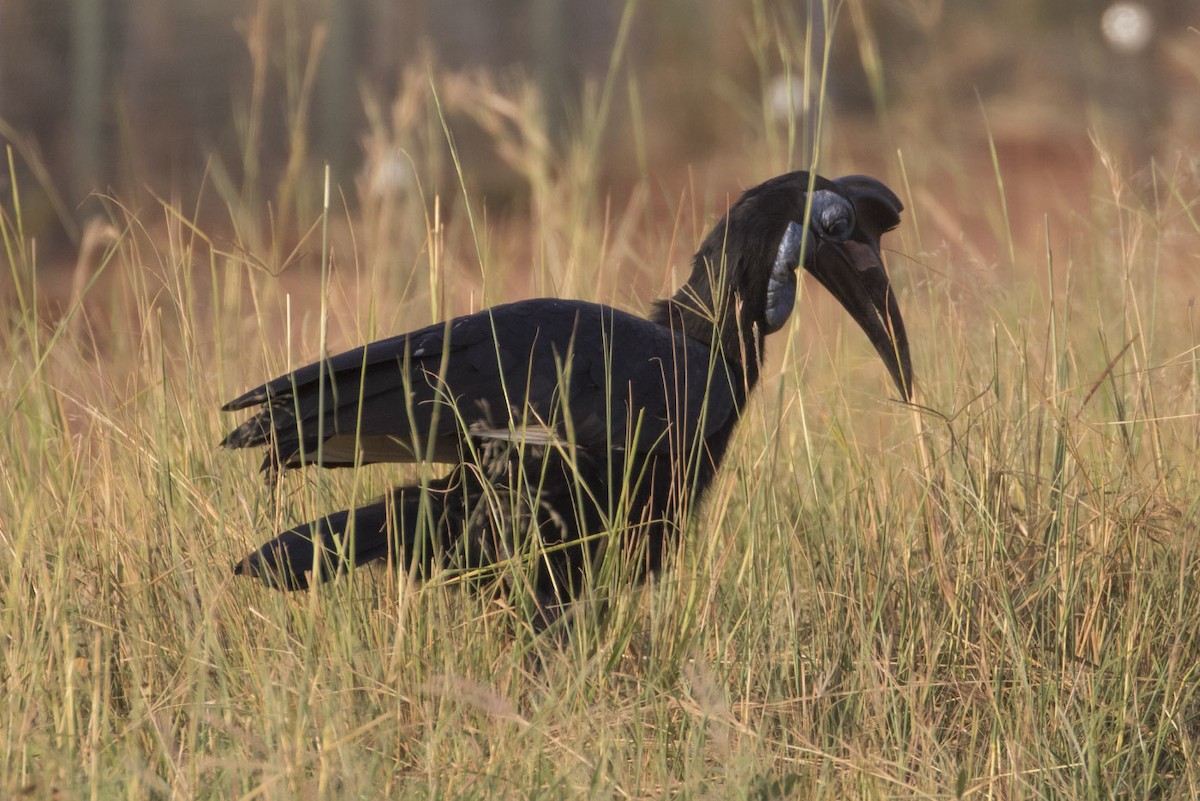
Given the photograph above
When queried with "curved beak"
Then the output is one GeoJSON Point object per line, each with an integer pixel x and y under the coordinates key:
{"type": "Point", "coordinates": [853, 273]}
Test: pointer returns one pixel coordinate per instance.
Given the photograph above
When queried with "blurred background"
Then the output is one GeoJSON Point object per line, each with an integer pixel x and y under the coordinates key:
{"type": "Point", "coordinates": [1011, 564]}
{"type": "Point", "coordinates": [232, 108]}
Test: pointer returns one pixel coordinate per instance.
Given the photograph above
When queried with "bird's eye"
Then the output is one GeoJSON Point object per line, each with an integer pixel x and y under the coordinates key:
{"type": "Point", "coordinates": [832, 215]}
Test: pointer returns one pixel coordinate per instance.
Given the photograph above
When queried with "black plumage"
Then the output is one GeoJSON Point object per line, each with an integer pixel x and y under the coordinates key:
{"type": "Point", "coordinates": [570, 425]}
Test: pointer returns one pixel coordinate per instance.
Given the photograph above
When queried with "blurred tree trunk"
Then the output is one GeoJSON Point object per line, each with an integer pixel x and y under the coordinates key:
{"type": "Point", "coordinates": [549, 46]}
{"type": "Point", "coordinates": [339, 96]}
{"type": "Point", "coordinates": [88, 27]}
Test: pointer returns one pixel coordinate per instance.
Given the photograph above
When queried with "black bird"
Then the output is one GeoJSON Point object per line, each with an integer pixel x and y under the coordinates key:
{"type": "Point", "coordinates": [570, 426]}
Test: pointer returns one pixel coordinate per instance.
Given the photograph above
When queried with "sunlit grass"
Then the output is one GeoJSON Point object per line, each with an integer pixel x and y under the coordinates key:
{"type": "Point", "coordinates": [991, 595]}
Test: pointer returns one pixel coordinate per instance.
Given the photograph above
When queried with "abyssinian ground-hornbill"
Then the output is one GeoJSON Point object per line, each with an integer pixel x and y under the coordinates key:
{"type": "Point", "coordinates": [571, 426]}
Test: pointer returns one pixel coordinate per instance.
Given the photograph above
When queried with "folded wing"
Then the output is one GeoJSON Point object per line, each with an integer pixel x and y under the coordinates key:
{"type": "Point", "coordinates": [577, 373]}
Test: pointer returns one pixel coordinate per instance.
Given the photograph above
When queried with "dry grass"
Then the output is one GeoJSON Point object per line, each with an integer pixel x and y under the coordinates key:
{"type": "Point", "coordinates": [992, 595]}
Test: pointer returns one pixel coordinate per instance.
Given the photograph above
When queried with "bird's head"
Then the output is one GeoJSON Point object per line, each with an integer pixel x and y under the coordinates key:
{"type": "Point", "coordinates": [830, 228]}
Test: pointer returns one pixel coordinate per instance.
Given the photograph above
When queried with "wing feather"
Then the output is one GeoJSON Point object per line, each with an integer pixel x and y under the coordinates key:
{"type": "Point", "coordinates": [590, 374]}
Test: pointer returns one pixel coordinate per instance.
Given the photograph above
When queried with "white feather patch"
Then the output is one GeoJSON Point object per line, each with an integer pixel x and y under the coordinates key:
{"type": "Point", "coordinates": [527, 435]}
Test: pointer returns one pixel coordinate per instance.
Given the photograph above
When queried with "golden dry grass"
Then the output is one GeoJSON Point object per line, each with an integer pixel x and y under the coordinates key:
{"type": "Point", "coordinates": [992, 595]}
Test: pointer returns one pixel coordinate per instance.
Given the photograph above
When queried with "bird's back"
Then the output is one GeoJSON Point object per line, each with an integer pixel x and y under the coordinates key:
{"type": "Point", "coordinates": [571, 372]}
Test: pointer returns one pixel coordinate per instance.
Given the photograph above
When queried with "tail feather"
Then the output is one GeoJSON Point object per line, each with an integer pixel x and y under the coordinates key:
{"type": "Point", "coordinates": [459, 521]}
{"type": "Point", "coordinates": [325, 548]}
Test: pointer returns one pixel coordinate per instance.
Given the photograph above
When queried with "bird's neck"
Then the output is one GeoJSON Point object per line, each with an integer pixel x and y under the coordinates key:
{"type": "Point", "coordinates": [717, 319]}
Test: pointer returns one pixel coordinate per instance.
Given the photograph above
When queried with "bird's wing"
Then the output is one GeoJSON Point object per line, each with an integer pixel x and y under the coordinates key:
{"type": "Point", "coordinates": [537, 370]}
